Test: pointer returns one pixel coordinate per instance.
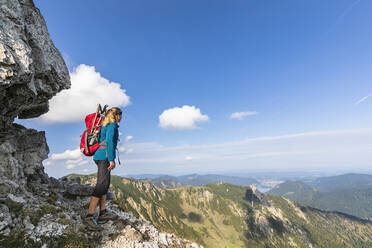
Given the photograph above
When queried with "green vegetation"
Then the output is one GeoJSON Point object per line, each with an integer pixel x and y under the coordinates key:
{"type": "Point", "coordinates": [327, 229]}
{"type": "Point", "coordinates": [345, 181]}
{"type": "Point", "coordinates": [35, 215]}
{"type": "Point", "coordinates": [350, 200]}
{"type": "Point", "coordinates": [17, 239]}
{"type": "Point", "coordinates": [70, 240]}
{"type": "Point", "coordinates": [194, 217]}
{"type": "Point", "coordinates": [13, 206]}
{"type": "Point", "coordinates": [219, 215]}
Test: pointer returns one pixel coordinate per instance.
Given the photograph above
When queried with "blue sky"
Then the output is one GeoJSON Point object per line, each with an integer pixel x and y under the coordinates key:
{"type": "Point", "coordinates": [302, 66]}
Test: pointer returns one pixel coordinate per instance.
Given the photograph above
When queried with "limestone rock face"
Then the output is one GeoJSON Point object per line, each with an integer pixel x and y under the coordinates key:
{"type": "Point", "coordinates": [31, 69]}
{"type": "Point", "coordinates": [21, 154]}
{"type": "Point", "coordinates": [31, 72]}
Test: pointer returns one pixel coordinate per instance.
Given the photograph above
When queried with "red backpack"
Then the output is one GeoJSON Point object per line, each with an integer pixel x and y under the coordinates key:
{"type": "Point", "coordinates": [89, 142]}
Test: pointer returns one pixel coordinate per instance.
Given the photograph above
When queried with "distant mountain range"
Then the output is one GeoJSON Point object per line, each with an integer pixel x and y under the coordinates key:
{"type": "Point", "coordinates": [351, 181]}
{"type": "Point", "coordinates": [166, 181]}
{"type": "Point", "coordinates": [223, 215]}
{"type": "Point", "coordinates": [348, 193]}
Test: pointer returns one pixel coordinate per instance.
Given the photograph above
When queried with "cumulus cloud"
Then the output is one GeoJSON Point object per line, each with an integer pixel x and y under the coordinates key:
{"type": "Point", "coordinates": [128, 138]}
{"type": "Point", "coordinates": [181, 118]}
{"type": "Point", "coordinates": [69, 158]}
{"type": "Point", "coordinates": [241, 115]}
{"type": "Point", "coordinates": [88, 88]}
{"type": "Point", "coordinates": [66, 155]}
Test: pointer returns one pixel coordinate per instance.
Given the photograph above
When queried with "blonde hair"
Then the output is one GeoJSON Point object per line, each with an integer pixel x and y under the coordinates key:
{"type": "Point", "coordinates": [110, 116]}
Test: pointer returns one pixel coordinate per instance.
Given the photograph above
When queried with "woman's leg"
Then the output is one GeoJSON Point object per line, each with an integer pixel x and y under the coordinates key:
{"type": "Point", "coordinates": [104, 215]}
{"type": "Point", "coordinates": [93, 204]}
{"type": "Point", "coordinates": [101, 188]}
{"type": "Point", "coordinates": [102, 203]}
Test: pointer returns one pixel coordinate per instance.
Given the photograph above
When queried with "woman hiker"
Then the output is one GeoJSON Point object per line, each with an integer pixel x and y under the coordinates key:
{"type": "Point", "coordinates": [105, 160]}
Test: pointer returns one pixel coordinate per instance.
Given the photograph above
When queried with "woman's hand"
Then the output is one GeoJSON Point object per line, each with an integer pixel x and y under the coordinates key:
{"type": "Point", "coordinates": [112, 165]}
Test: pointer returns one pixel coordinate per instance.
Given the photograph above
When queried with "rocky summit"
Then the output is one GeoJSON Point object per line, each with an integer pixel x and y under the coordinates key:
{"type": "Point", "coordinates": [49, 214]}
{"type": "Point", "coordinates": [36, 210]}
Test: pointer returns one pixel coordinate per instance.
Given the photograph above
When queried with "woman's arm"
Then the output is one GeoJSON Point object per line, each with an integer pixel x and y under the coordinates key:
{"type": "Point", "coordinates": [110, 136]}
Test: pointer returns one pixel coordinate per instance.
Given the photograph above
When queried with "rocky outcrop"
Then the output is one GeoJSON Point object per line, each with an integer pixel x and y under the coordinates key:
{"type": "Point", "coordinates": [50, 215]}
{"type": "Point", "coordinates": [31, 72]}
{"type": "Point", "coordinates": [21, 154]}
{"type": "Point", "coordinates": [31, 69]}
{"type": "Point", "coordinates": [253, 195]}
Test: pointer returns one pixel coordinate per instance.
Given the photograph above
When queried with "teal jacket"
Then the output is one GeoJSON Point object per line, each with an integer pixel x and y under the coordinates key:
{"type": "Point", "coordinates": [108, 142]}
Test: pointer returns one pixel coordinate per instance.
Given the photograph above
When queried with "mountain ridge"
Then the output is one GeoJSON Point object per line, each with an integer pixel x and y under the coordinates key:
{"type": "Point", "coordinates": [349, 180]}
{"type": "Point", "coordinates": [167, 181]}
{"type": "Point", "coordinates": [334, 193]}
{"type": "Point", "coordinates": [225, 215]}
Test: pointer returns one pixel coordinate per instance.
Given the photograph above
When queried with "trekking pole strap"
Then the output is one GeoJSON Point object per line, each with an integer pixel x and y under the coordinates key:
{"type": "Point", "coordinates": [118, 156]}
{"type": "Point", "coordinates": [86, 141]}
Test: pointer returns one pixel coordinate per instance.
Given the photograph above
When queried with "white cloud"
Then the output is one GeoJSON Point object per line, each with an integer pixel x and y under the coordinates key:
{"type": "Point", "coordinates": [241, 115]}
{"type": "Point", "coordinates": [325, 151]}
{"type": "Point", "coordinates": [321, 150]}
{"type": "Point", "coordinates": [69, 158]}
{"type": "Point", "coordinates": [128, 138]}
{"type": "Point", "coordinates": [188, 158]}
{"type": "Point", "coordinates": [362, 100]}
{"type": "Point", "coordinates": [88, 88]}
{"type": "Point", "coordinates": [181, 118]}
{"type": "Point", "coordinates": [125, 150]}
{"type": "Point", "coordinates": [71, 164]}
{"type": "Point", "coordinates": [67, 155]}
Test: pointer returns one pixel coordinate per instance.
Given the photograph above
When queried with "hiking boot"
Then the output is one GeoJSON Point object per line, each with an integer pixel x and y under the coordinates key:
{"type": "Point", "coordinates": [106, 216]}
{"type": "Point", "coordinates": [91, 223]}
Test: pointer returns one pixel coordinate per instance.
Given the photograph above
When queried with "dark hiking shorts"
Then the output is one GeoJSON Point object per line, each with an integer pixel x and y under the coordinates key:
{"type": "Point", "coordinates": [103, 178]}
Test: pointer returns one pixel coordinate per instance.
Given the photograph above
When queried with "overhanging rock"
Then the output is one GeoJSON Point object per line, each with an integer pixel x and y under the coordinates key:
{"type": "Point", "coordinates": [32, 70]}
